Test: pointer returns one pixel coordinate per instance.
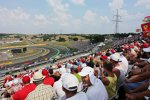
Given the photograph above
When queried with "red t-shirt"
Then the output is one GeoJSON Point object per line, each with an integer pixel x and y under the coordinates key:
{"type": "Point", "coordinates": [48, 81]}
{"type": "Point", "coordinates": [22, 94]}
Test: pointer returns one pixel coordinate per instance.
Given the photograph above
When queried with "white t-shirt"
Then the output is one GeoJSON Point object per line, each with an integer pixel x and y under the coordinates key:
{"type": "Point", "coordinates": [79, 96]}
{"type": "Point", "coordinates": [124, 64]}
{"type": "Point", "coordinates": [97, 91]}
{"type": "Point", "coordinates": [121, 78]}
{"type": "Point", "coordinates": [58, 89]}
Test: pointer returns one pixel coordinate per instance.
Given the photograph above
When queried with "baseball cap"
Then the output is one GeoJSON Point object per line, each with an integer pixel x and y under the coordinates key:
{"type": "Point", "coordinates": [115, 57]}
{"type": "Point", "coordinates": [86, 71]}
{"type": "Point", "coordinates": [26, 79]}
{"type": "Point", "coordinates": [45, 72]}
{"type": "Point", "coordinates": [104, 57]}
{"type": "Point", "coordinates": [146, 49]}
{"type": "Point", "coordinates": [145, 45]}
{"type": "Point", "coordinates": [112, 51]}
{"type": "Point", "coordinates": [70, 82]}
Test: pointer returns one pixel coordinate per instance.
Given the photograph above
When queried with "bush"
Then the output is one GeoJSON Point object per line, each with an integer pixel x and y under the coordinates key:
{"type": "Point", "coordinates": [21, 39]}
{"type": "Point", "coordinates": [75, 39]}
{"type": "Point", "coordinates": [97, 38]}
{"type": "Point", "coordinates": [46, 37]}
{"type": "Point", "coordinates": [61, 39]}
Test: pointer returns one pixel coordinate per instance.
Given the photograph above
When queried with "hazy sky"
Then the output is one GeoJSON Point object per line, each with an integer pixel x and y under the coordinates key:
{"type": "Point", "coordinates": [71, 16]}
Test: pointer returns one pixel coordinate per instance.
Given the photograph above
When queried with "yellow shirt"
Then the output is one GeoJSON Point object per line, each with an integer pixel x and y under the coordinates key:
{"type": "Point", "coordinates": [111, 88]}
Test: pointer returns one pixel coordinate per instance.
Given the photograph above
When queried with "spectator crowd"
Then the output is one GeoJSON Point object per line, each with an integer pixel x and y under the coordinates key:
{"type": "Point", "coordinates": [121, 73]}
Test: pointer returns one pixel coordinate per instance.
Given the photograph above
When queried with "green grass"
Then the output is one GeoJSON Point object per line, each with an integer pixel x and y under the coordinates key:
{"type": "Point", "coordinates": [66, 43]}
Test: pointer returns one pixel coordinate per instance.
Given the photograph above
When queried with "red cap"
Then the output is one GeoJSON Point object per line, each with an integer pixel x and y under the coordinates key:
{"type": "Point", "coordinates": [131, 46]}
{"type": "Point", "coordinates": [145, 45]}
{"type": "Point", "coordinates": [112, 51]}
{"type": "Point", "coordinates": [99, 53]}
{"type": "Point", "coordinates": [82, 60]}
{"type": "Point", "coordinates": [9, 78]}
{"type": "Point", "coordinates": [104, 57]}
{"type": "Point", "coordinates": [19, 76]}
{"type": "Point", "coordinates": [45, 72]}
{"type": "Point", "coordinates": [26, 79]}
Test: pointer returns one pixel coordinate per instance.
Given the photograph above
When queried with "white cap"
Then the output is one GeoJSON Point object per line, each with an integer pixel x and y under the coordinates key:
{"type": "Point", "coordinates": [115, 57]}
{"type": "Point", "coordinates": [70, 82]}
{"type": "Point", "coordinates": [86, 71]}
{"type": "Point", "coordinates": [146, 49]}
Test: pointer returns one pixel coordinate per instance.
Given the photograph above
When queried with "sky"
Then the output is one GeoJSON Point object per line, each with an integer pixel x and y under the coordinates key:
{"type": "Point", "coordinates": [71, 16]}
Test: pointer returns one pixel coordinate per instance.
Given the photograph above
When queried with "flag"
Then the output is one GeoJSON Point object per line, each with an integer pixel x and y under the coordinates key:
{"type": "Point", "coordinates": [145, 27]}
{"type": "Point", "coordinates": [146, 19]}
{"type": "Point", "coordinates": [138, 30]}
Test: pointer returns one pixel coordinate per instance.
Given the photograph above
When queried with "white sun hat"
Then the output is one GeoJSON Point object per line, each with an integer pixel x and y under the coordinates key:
{"type": "Point", "coordinates": [70, 82]}
{"type": "Point", "coordinates": [86, 71]}
{"type": "Point", "coordinates": [38, 76]}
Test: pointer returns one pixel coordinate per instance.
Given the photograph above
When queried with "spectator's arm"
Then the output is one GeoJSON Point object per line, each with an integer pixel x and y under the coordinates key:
{"type": "Point", "coordinates": [136, 71]}
{"type": "Point", "coordinates": [143, 63]}
{"type": "Point", "coordinates": [105, 81]}
{"type": "Point", "coordinates": [117, 72]}
{"type": "Point", "coordinates": [139, 78]}
{"type": "Point", "coordinates": [145, 93]}
{"type": "Point", "coordinates": [140, 70]}
{"type": "Point", "coordinates": [138, 96]}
